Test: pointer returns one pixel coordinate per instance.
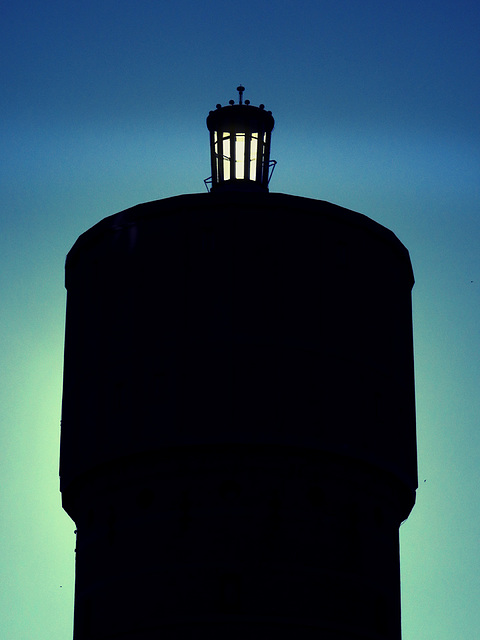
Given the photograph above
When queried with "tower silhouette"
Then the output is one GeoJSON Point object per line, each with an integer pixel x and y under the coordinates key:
{"type": "Point", "coordinates": [238, 445]}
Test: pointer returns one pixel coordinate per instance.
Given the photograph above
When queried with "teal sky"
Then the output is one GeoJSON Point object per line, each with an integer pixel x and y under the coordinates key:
{"type": "Point", "coordinates": [376, 104]}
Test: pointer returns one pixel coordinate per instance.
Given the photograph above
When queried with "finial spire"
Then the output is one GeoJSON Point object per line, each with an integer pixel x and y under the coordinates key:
{"type": "Point", "coordinates": [240, 90]}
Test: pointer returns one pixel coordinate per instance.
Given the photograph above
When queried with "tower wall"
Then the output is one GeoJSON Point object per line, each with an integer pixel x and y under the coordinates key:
{"type": "Point", "coordinates": [238, 430]}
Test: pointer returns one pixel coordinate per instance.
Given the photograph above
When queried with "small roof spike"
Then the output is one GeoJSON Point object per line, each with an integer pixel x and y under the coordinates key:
{"type": "Point", "coordinates": [240, 90]}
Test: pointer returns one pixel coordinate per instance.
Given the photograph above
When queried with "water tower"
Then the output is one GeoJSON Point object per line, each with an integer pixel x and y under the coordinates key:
{"type": "Point", "coordinates": [238, 444]}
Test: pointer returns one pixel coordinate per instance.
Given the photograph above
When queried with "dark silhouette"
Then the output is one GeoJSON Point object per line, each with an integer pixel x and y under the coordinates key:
{"type": "Point", "coordinates": [238, 432]}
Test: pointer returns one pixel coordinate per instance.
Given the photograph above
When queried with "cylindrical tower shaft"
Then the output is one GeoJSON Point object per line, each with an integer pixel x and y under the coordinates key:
{"type": "Point", "coordinates": [238, 431]}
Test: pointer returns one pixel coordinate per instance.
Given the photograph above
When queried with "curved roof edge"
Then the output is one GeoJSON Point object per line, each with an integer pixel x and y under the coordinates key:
{"type": "Point", "coordinates": [268, 200]}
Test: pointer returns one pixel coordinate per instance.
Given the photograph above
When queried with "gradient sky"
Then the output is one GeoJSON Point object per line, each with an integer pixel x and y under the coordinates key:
{"type": "Point", "coordinates": [377, 109]}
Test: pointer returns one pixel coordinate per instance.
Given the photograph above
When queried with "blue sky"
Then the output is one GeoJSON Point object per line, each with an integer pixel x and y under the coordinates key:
{"type": "Point", "coordinates": [376, 105]}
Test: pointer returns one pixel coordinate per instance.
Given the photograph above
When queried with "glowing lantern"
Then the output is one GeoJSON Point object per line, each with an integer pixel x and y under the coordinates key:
{"type": "Point", "coordinates": [240, 146]}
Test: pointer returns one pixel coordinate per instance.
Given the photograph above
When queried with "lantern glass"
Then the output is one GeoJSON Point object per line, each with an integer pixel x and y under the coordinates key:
{"type": "Point", "coordinates": [245, 150]}
{"type": "Point", "coordinates": [239, 156]}
{"type": "Point", "coordinates": [226, 156]}
{"type": "Point", "coordinates": [253, 156]}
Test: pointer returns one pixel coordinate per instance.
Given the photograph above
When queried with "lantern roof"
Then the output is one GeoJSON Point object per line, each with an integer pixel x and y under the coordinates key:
{"type": "Point", "coordinates": [240, 117]}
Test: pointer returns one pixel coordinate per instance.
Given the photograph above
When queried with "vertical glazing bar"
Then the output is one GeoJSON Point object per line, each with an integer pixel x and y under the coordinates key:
{"type": "Point", "coordinates": [260, 154]}
{"type": "Point", "coordinates": [213, 156]}
{"type": "Point", "coordinates": [266, 159]}
{"type": "Point", "coordinates": [233, 155]}
{"type": "Point", "coordinates": [246, 160]}
{"type": "Point", "coordinates": [220, 155]}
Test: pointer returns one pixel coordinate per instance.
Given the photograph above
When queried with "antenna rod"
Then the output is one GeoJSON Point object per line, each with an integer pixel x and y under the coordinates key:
{"type": "Point", "coordinates": [240, 90]}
